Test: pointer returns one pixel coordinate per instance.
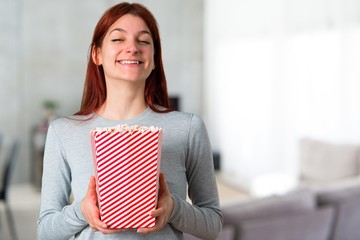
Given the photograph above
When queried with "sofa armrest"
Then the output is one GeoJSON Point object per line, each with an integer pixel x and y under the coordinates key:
{"type": "Point", "coordinates": [309, 225]}
{"type": "Point", "coordinates": [347, 211]}
{"type": "Point", "coordinates": [278, 206]}
{"type": "Point", "coordinates": [294, 202]}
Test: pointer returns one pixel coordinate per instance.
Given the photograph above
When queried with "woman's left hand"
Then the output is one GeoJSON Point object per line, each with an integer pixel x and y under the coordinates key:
{"type": "Point", "coordinates": [164, 209]}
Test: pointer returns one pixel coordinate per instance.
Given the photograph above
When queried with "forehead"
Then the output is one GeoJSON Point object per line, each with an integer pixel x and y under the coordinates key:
{"type": "Point", "coordinates": [130, 23]}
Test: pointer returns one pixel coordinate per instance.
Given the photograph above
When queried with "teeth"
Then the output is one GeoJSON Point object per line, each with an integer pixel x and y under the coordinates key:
{"type": "Point", "coordinates": [129, 62]}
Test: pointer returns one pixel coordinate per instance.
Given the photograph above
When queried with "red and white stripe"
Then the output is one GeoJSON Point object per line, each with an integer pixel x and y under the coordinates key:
{"type": "Point", "coordinates": [127, 173]}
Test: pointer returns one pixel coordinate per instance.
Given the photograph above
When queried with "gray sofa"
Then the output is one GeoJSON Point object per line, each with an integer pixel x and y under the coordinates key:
{"type": "Point", "coordinates": [294, 216]}
{"type": "Point", "coordinates": [346, 204]}
{"type": "Point", "coordinates": [303, 214]}
{"type": "Point", "coordinates": [325, 206]}
{"type": "Point", "coordinates": [332, 171]}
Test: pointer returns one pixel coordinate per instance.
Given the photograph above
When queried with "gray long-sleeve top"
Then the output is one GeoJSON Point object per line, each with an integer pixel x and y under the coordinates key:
{"type": "Point", "coordinates": [186, 161]}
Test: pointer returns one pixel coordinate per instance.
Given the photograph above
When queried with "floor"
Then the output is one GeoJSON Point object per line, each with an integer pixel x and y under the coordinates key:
{"type": "Point", "coordinates": [25, 203]}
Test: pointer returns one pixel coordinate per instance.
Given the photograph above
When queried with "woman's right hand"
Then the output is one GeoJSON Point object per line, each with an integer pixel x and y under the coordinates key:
{"type": "Point", "coordinates": [91, 211]}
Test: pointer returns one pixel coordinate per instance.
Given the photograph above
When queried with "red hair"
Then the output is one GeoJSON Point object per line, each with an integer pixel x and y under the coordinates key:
{"type": "Point", "coordinates": [94, 94]}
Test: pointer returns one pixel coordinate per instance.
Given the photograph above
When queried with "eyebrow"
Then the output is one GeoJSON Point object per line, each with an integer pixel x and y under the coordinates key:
{"type": "Point", "coordinates": [123, 30]}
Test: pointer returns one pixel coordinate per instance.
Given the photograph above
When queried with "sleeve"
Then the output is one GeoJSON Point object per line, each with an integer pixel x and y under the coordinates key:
{"type": "Point", "coordinates": [202, 218]}
{"type": "Point", "coordinates": [57, 220]}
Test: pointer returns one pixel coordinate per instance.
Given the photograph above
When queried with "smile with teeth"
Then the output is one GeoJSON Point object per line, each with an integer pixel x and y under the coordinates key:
{"type": "Point", "coordinates": [128, 62]}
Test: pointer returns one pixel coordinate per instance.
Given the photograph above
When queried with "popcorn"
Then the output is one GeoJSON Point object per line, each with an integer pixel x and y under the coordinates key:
{"type": "Point", "coordinates": [126, 163]}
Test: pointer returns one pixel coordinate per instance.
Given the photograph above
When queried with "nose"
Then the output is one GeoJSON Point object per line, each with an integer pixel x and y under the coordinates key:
{"type": "Point", "coordinates": [132, 47]}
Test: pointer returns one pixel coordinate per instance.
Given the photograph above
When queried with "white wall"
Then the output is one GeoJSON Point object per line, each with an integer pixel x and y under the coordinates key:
{"type": "Point", "coordinates": [9, 67]}
{"type": "Point", "coordinates": [44, 48]}
{"type": "Point", "coordinates": [277, 71]}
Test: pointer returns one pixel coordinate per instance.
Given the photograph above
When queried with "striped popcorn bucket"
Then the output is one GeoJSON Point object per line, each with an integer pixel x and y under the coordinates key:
{"type": "Point", "coordinates": [126, 163]}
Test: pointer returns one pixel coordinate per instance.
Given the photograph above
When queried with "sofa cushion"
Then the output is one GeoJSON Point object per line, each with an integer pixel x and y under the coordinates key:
{"type": "Point", "coordinates": [309, 225]}
{"type": "Point", "coordinates": [300, 200]}
{"type": "Point", "coordinates": [322, 161]}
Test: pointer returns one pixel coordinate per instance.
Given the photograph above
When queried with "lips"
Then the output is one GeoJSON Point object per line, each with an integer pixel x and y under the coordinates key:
{"type": "Point", "coordinates": [127, 62]}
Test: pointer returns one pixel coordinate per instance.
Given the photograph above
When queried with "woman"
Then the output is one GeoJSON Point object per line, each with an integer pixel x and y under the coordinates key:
{"type": "Point", "coordinates": [125, 84]}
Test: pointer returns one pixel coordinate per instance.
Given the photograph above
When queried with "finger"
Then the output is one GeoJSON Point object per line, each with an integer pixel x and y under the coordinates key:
{"type": "Point", "coordinates": [158, 226]}
{"type": "Point", "coordinates": [160, 223]}
{"type": "Point", "coordinates": [91, 193]}
{"type": "Point", "coordinates": [158, 212]}
{"type": "Point", "coordinates": [163, 183]}
{"type": "Point", "coordinates": [146, 230]}
{"type": "Point", "coordinates": [92, 184]}
{"type": "Point", "coordinates": [99, 224]}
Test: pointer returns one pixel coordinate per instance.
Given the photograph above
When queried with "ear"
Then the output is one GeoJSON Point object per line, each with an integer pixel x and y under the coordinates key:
{"type": "Point", "coordinates": [95, 54]}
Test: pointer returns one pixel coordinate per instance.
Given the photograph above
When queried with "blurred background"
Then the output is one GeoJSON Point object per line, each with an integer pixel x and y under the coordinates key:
{"type": "Point", "coordinates": [263, 74]}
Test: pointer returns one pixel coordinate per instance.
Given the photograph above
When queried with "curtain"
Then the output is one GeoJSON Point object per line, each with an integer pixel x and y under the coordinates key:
{"type": "Point", "coordinates": [275, 72]}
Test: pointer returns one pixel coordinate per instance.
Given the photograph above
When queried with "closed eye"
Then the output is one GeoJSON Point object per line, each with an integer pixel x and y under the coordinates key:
{"type": "Point", "coordinates": [117, 40]}
{"type": "Point", "coordinates": [144, 42]}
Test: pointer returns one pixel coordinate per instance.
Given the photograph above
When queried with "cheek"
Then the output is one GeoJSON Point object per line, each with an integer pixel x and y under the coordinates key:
{"type": "Point", "coordinates": [109, 53]}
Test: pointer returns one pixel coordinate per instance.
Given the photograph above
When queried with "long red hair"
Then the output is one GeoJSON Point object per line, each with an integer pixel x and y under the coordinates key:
{"type": "Point", "coordinates": [94, 94]}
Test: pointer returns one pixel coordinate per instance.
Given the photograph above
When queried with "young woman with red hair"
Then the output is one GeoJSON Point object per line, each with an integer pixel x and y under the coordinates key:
{"type": "Point", "coordinates": [125, 84]}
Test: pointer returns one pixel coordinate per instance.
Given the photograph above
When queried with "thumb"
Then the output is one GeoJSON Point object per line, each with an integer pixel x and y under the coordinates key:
{"type": "Point", "coordinates": [163, 184]}
{"type": "Point", "coordinates": [92, 189]}
{"type": "Point", "coordinates": [92, 184]}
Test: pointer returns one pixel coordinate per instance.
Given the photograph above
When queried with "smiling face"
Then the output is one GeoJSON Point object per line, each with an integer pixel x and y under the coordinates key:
{"type": "Point", "coordinates": [127, 51]}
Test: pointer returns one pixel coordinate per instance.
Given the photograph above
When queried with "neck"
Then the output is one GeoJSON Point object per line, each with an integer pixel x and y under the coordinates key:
{"type": "Point", "coordinates": [123, 102]}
